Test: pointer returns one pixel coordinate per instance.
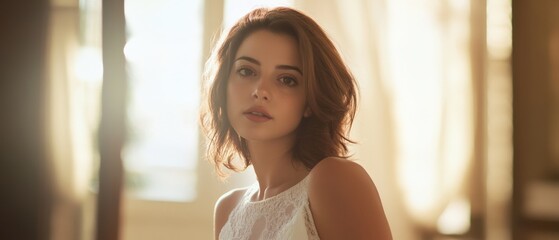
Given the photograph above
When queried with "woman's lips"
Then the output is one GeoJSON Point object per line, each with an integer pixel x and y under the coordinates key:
{"type": "Point", "coordinates": [257, 117]}
{"type": "Point", "coordinates": [257, 114]}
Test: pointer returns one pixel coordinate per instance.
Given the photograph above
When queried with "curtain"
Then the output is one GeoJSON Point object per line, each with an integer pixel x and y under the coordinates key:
{"type": "Point", "coordinates": [416, 115]}
{"type": "Point", "coordinates": [70, 121]}
{"type": "Point", "coordinates": [62, 43]}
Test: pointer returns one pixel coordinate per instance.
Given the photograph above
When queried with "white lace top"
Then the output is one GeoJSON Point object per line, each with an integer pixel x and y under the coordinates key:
{"type": "Point", "coordinates": [284, 216]}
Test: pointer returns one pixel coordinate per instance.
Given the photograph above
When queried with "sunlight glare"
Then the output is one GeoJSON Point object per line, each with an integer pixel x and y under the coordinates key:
{"type": "Point", "coordinates": [236, 9]}
{"type": "Point", "coordinates": [430, 82]}
{"type": "Point", "coordinates": [89, 64]}
{"type": "Point", "coordinates": [163, 53]}
{"type": "Point", "coordinates": [455, 218]}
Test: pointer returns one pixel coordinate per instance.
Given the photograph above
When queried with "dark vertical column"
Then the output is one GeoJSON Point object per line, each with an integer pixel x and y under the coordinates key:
{"type": "Point", "coordinates": [24, 183]}
{"type": "Point", "coordinates": [534, 23]}
{"type": "Point", "coordinates": [112, 127]}
{"type": "Point", "coordinates": [519, 137]}
{"type": "Point", "coordinates": [478, 62]}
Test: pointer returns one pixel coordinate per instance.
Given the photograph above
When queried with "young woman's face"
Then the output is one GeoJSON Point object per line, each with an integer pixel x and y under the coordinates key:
{"type": "Point", "coordinates": [265, 89]}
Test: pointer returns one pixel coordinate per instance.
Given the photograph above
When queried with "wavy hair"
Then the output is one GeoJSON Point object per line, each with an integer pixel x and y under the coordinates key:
{"type": "Point", "coordinates": [331, 91]}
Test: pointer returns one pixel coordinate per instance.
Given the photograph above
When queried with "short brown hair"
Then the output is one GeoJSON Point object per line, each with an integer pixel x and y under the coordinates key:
{"type": "Point", "coordinates": [330, 89]}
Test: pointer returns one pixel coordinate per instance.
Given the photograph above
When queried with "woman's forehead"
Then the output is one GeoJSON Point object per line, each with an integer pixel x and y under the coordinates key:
{"type": "Point", "coordinates": [270, 48]}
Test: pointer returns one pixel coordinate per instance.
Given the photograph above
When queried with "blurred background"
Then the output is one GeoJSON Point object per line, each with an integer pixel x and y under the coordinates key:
{"type": "Point", "coordinates": [458, 119]}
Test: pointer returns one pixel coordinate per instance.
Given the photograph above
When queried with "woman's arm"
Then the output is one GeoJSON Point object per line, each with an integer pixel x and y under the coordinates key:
{"type": "Point", "coordinates": [345, 203]}
{"type": "Point", "coordinates": [223, 208]}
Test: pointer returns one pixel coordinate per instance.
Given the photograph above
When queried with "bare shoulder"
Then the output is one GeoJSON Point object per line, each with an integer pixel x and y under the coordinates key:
{"type": "Point", "coordinates": [335, 166]}
{"type": "Point", "coordinates": [345, 202]}
{"type": "Point", "coordinates": [337, 174]}
{"type": "Point", "coordinates": [223, 207]}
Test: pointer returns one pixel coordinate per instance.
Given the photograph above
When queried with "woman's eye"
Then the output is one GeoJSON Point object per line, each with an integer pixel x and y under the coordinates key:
{"type": "Point", "coordinates": [288, 81]}
{"type": "Point", "coordinates": [245, 72]}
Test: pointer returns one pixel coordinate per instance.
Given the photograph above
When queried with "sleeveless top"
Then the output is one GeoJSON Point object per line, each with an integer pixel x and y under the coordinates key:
{"type": "Point", "coordinates": [286, 215]}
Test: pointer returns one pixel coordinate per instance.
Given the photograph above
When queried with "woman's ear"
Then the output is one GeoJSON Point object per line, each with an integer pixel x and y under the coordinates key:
{"type": "Point", "coordinates": [307, 113]}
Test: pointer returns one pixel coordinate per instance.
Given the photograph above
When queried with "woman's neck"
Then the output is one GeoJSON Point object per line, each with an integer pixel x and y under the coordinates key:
{"type": "Point", "coordinates": [275, 168]}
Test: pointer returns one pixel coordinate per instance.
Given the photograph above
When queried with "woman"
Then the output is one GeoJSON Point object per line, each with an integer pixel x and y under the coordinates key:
{"type": "Point", "coordinates": [281, 99]}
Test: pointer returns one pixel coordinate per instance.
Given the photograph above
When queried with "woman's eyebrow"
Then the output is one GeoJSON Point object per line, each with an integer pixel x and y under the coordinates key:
{"type": "Point", "coordinates": [284, 67]}
{"type": "Point", "coordinates": [252, 60]}
{"type": "Point", "coordinates": [289, 67]}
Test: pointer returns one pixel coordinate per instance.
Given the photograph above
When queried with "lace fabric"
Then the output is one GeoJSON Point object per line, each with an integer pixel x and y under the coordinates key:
{"type": "Point", "coordinates": [284, 216]}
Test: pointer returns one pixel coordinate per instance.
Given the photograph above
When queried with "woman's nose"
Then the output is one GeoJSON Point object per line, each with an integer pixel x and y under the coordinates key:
{"type": "Point", "coordinates": [261, 91]}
